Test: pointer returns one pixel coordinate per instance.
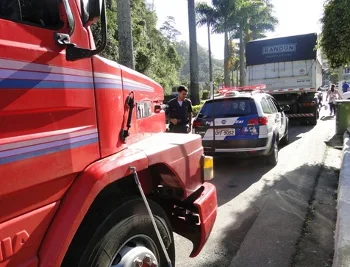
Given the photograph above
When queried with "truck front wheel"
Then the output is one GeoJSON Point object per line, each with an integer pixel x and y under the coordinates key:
{"type": "Point", "coordinates": [126, 238]}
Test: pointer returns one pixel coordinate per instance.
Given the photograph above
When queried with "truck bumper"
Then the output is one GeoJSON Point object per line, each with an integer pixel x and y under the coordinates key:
{"type": "Point", "coordinates": [198, 226]}
{"type": "Point", "coordinates": [300, 115]}
{"type": "Point", "coordinates": [207, 210]}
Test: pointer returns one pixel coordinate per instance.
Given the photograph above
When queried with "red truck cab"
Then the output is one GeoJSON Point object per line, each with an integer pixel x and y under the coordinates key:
{"type": "Point", "coordinates": [71, 125]}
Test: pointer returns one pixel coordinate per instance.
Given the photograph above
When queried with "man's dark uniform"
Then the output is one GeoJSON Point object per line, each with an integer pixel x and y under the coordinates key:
{"type": "Point", "coordinates": [181, 113]}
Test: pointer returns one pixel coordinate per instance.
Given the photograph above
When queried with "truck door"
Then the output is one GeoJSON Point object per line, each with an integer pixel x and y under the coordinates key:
{"type": "Point", "coordinates": [48, 130]}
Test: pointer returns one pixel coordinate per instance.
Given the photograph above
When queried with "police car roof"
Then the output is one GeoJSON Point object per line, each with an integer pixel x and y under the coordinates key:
{"type": "Point", "coordinates": [238, 94]}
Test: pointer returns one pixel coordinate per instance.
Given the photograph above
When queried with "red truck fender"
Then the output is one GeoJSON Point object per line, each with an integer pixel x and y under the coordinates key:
{"type": "Point", "coordinates": [79, 198]}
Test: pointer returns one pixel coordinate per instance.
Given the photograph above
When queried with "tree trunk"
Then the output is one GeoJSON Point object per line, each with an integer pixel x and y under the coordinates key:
{"type": "Point", "coordinates": [226, 61]}
{"type": "Point", "coordinates": [126, 53]}
{"type": "Point", "coordinates": [237, 76]}
{"type": "Point", "coordinates": [241, 56]}
{"type": "Point", "coordinates": [210, 63]}
{"type": "Point", "coordinates": [194, 71]}
{"type": "Point", "coordinates": [231, 78]}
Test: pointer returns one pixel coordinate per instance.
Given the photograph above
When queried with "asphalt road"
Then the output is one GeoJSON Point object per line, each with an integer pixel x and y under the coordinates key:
{"type": "Point", "coordinates": [262, 210]}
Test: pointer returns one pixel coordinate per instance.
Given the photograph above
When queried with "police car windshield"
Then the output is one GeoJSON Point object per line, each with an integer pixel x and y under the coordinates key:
{"type": "Point", "coordinates": [229, 107]}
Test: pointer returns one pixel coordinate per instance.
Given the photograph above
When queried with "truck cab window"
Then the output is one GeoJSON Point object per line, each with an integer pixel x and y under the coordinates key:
{"type": "Point", "coordinates": [42, 13]}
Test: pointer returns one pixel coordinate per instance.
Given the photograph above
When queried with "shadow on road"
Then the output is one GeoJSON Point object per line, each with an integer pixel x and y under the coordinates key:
{"type": "Point", "coordinates": [284, 202]}
{"type": "Point", "coordinates": [236, 175]}
{"type": "Point", "coordinates": [296, 130]}
{"type": "Point", "coordinates": [336, 141]}
{"type": "Point", "coordinates": [327, 118]}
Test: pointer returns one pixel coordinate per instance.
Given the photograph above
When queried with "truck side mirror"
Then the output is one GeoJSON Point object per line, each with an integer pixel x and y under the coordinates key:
{"type": "Point", "coordinates": [91, 11]}
{"type": "Point", "coordinates": [286, 108]}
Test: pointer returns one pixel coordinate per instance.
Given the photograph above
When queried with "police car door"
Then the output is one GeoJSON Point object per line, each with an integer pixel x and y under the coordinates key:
{"type": "Point", "coordinates": [278, 117]}
{"type": "Point", "coordinates": [271, 116]}
{"type": "Point", "coordinates": [284, 119]}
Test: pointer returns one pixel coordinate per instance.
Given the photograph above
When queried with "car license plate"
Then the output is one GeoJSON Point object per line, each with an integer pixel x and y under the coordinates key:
{"type": "Point", "coordinates": [225, 132]}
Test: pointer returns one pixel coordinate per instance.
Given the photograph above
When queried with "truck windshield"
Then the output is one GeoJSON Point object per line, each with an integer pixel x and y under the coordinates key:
{"type": "Point", "coordinates": [224, 108]}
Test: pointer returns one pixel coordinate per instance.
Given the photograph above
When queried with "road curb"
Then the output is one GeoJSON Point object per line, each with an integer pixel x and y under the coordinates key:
{"type": "Point", "coordinates": [342, 231]}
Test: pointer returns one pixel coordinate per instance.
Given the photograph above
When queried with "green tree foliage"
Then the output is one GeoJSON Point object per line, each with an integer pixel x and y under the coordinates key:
{"type": "Point", "coordinates": [250, 20]}
{"type": "Point", "coordinates": [155, 55]}
{"type": "Point", "coordinates": [224, 14]}
{"type": "Point", "coordinates": [244, 20]}
{"type": "Point", "coordinates": [203, 63]}
{"type": "Point", "coordinates": [169, 29]}
{"type": "Point", "coordinates": [336, 32]}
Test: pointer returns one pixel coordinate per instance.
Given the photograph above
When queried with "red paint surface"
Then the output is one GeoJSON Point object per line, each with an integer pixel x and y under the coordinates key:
{"type": "Point", "coordinates": [31, 187]}
{"type": "Point", "coordinates": [207, 207]}
{"type": "Point", "coordinates": [20, 237]}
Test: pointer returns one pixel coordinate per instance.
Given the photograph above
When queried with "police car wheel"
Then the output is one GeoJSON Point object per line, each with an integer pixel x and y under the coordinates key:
{"type": "Point", "coordinates": [272, 159]}
{"type": "Point", "coordinates": [285, 140]}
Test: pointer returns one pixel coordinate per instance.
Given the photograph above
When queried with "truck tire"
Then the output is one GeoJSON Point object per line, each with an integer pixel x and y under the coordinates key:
{"type": "Point", "coordinates": [127, 235]}
{"type": "Point", "coordinates": [314, 120]}
{"type": "Point", "coordinates": [272, 159]}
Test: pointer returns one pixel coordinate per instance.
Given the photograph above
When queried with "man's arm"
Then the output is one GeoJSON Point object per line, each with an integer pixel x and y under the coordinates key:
{"type": "Point", "coordinates": [327, 96]}
{"type": "Point", "coordinates": [168, 112]}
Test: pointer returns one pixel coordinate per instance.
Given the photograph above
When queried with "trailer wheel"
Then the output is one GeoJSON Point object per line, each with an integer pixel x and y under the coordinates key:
{"type": "Point", "coordinates": [126, 238]}
{"type": "Point", "coordinates": [314, 120]}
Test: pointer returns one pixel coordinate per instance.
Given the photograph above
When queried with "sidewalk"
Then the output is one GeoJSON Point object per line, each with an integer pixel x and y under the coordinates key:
{"type": "Point", "coordinates": [315, 246]}
{"type": "Point", "coordinates": [342, 233]}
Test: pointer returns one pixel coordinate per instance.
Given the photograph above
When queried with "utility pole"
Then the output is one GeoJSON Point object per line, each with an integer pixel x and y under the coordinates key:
{"type": "Point", "coordinates": [194, 71]}
{"type": "Point", "coordinates": [126, 51]}
{"type": "Point", "coordinates": [210, 63]}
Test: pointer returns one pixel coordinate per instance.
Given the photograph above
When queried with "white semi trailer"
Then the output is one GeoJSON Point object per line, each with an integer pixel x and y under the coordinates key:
{"type": "Point", "coordinates": [290, 69]}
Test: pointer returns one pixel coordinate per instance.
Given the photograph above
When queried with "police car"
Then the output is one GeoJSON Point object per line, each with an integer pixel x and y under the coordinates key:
{"type": "Point", "coordinates": [247, 121]}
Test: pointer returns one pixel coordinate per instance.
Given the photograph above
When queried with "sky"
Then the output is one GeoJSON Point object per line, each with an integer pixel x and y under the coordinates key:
{"type": "Point", "coordinates": [295, 17]}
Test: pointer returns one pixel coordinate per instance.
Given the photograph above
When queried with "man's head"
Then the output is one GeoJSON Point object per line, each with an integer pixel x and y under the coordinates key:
{"type": "Point", "coordinates": [182, 92]}
{"type": "Point", "coordinates": [332, 87]}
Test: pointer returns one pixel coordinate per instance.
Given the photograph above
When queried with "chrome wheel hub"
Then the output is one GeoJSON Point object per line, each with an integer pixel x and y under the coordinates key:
{"type": "Point", "coordinates": [135, 254]}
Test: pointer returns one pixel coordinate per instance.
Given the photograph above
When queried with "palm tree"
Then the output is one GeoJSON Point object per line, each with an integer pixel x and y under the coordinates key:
{"type": "Point", "coordinates": [224, 10]}
{"type": "Point", "coordinates": [252, 19]}
{"type": "Point", "coordinates": [206, 16]}
{"type": "Point", "coordinates": [263, 22]}
{"type": "Point", "coordinates": [126, 54]}
{"type": "Point", "coordinates": [194, 70]}
{"type": "Point", "coordinates": [234, 61]}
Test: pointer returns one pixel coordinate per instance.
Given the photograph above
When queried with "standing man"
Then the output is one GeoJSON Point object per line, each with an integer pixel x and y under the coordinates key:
{"type": "Point", "coordinates": [179, 112]}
